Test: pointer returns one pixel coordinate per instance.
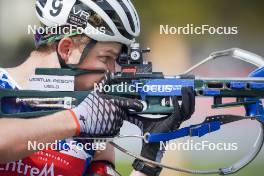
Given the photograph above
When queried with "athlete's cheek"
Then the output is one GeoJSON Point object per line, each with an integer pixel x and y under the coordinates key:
{"type": "Point", "coordinates": [86, 82]}
{"type": "Point", "coordinates": [111, 65]}
{"type": "Point", "coordinates": [93, 63]}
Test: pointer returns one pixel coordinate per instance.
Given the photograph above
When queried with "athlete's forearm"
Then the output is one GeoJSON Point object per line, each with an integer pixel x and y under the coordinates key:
{"type": "Point", "coordinates": [16, 133]}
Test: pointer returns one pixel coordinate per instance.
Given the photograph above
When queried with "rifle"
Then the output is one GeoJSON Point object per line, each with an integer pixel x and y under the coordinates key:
{"type": "Point", "coordinates": [155, 90]}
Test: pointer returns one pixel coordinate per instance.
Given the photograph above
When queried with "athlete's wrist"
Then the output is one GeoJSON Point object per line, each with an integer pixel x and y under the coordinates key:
{"type": "Point", "coordinates": [145, 168]}
{"type": "Point", "coordinates": [72, 123]}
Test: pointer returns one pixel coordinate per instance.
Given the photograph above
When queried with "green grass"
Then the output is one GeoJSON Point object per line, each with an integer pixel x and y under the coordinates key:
{"type": "Point", "coordinates": [124, 168]}
{"type": "Point", "coordinates": [253, 169]}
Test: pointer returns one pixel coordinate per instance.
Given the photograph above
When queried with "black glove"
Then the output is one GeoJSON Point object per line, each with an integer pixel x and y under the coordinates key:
{"type": "Point", "coordinates": [181, 113]}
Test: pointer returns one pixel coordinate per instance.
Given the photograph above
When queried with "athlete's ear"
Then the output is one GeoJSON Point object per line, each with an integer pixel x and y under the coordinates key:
{"type": "Point", "coordinates": [65, 48]}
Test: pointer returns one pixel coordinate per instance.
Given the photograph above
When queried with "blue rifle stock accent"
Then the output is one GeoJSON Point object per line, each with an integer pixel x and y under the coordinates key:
{"type": "Point", "coordinates": [211, 92]}
{"type": "Point", "coordinates": [238, 85]}
{"type": "Point", "coordinates": [256, 110]}
{"type": "Point", "coordinates": [256, 86]}
{"type": "Point", "coordinates": [167, 87]}
{"type": "Point", "coordinates": [193, 130]}
{"type": "Point", "coordinates": [163, 87]}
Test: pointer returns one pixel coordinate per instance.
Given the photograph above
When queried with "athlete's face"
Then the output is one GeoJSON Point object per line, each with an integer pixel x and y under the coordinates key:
{"type": "Point", "coordinates": [103, 57]}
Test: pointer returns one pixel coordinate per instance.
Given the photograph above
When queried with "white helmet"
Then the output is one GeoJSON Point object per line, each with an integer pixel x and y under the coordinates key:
{"type": "Point", "coordinates": [102, 20]}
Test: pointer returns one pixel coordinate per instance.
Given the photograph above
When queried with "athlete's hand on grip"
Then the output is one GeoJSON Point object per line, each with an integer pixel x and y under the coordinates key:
{"type": "Point", "coordinates": [101, 114]}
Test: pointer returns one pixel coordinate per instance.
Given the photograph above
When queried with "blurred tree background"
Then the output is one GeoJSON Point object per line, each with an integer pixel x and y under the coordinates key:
{"type": "Point", "coordinates": [16, 44]}
{"type": "Point", "coordinates": [171, 54]}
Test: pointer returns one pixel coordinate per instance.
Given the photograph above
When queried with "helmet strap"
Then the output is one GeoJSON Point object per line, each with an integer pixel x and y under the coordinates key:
{"type": "Point", "coordinates": [87, 49]}
{"type": "Point", "coordinates": [85, 52]}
